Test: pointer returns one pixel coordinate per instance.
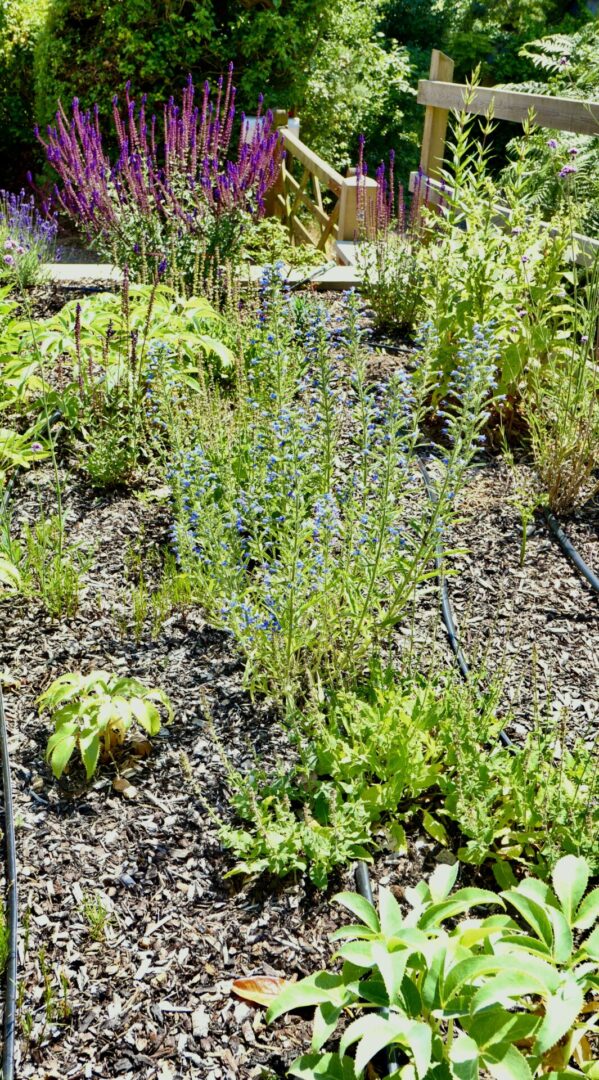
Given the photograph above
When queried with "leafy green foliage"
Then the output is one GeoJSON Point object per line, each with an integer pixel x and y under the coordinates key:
{"type": "Point", "coordinates": [568, 66]}
{"type": "Point", "coordinates": [267, 241]}
{"type": "Point", "coordinates": [510, 995]}
{"type": "Point", "coordinates": [20, 24]}
{"type": "Point", "coordinates": [370, 762]}
{"type": "Point", "coordinates": [92, 714]}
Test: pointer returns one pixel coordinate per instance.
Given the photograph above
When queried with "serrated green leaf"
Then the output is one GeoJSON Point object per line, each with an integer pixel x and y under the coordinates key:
{"type": "Point", "coordinates": [507, 986]}
{"type": "Point", "coordinates": [89, 747]}
{"type": "Point", "coordinates": [570, 878]}
{"type": "Point", "coordinates": [561, 1011]}
{"type": "Point", "coordinates": [392, 966]}
{"type": "Point", "coordinates": [314, 990]}
{"type": "Point", "coordinates": [533, 913]}
{"type": "Point", "coordinates": [391, 918]}
{"type": "Point", "coordinates": [511, 1065]}
{"type": "Point", "coordinates": [461, 901]}
{"type": "Point", "coordinates": [442, 881]}
{"type": "Point", "coordinates": [588, 912]}
{"type": "Point", "coordinates": [325, 1022]}
{"type": "Point", "coordinates": [60, 747]}
{"type": "Point", "coordinates": [323, 1067]}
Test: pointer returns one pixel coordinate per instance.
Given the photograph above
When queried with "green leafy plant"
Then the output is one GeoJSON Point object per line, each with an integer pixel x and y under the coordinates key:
{"type": "Point", "coordinates": [92, 714]}
{"type": "Point", "coordinates": [96, 914]}
{"type": "Point", "coordinates": [268, 241]}
{"type": "Point", "coordinates": [506, 996]}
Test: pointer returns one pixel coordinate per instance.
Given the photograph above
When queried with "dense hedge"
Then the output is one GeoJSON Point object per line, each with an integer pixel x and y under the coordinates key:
{"type": "Point", "coordinates": [20, 22]}
{"type": "Point", "coordinates": [343, 64]}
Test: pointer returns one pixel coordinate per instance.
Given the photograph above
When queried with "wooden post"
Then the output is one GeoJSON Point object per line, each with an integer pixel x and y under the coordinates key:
{"type": "Point", "coordinates": [356, 209]}
{"type": "Point", "coordinates": [435, 120]}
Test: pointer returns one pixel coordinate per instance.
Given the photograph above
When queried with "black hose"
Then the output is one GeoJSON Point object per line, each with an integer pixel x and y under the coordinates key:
{"type": "Point", "coordinates": [446, 609]}
{"type": "Point", "coordinates": [12, 910]}
{"type": "Point", "coordinates": [570, 551]}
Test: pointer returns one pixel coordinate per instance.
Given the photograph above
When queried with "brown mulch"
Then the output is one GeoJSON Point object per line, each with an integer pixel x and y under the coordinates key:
{"type": "Point", "coordinates": [154, 999]}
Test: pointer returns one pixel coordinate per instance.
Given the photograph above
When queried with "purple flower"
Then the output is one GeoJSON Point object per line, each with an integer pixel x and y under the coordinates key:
{"type": "Point", "coordinates": [525, 259]}
{"type": "Point", "coordinates": [552, 144]}
{"type": "Point", "coordinates": [8, 260]}
{"type": "Point", "coordinates": [567, 170]}
{"type": "Point", "coordinates": [573, 151]}
{"type": "Point", "coordinates": [36, 448]}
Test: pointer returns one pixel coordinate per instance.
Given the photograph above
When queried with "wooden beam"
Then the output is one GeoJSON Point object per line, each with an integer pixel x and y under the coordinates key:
{"type": "Point", "coordinates": [313, 162]}
{"type": "Point", "coordinates": [434, 134]}
{"type": "Point", "coordinates": [330, 229]}
{"type": "Point", "coordinates": [565, 114]}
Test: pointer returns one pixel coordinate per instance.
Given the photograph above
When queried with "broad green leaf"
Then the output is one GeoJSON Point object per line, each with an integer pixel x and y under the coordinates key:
{"type": "Point", "coordinates": [435, 829]}
{"type": "Point", "coordinates": [506, 986]}
{"type": "Point", "coordinates": [391, 918]}
{"type": "Point", "coordinates": [59, 749]}
{"type": "Point", "coordinates": [359, 907]}
{"type": "Point", "coordinates": [570, 878]}
{"type": "Point", "coordinates": [358, 952]}
{"type": "Point", "coordinates": [442, 881]}
{"type": "Point", "coordinates": [392, 966]}
{"type": "Point", "coordinates": [146, 714]}
{"type": "Point", "coordinates": [464, 1058]}
{"type": "Point", "coordinates": [561, 1011]}
{"type": "Point", "coordinates": [498, 1025]}
{"type": "Point", "coordinates": [353, 931]}
{"type": "Point", "coordinates": [461, 901]}
{"type": "Point", "coordinates": [526, 943]}
{"type": "Point", "coordinates": [588, 911]}
{"type": "Point", "coordinates": [89, 747]}
{"type": "Point", "coordinates": [533, 913]}
{"type": "Point", "coordinates": [591, 944]}
{"type": "Point", "coordinates": [325, 1022]}
{"type": "Point", "coordinates": [376, 1032]}
{"type": "Point", "coordinates": [563, 941]}
{"type": "Point", "coordinates": [314, 990]}
{"type": "Point", "coordinates": [323, 1067]}
{"type": "Point", "coordinates": [511, 1065]}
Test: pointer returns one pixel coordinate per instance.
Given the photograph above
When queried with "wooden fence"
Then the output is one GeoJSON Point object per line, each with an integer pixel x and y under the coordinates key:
{"type": "Point", "coordinates": [298, 199]}
{"type": "Point", "coordinates": [440, 96]}
{"type": "Point", "coordinates": [336, 221]}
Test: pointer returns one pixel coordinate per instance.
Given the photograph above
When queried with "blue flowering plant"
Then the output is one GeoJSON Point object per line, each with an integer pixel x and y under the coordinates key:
{"type": "Point", "coordinates": [27, 240]}
{"type": "Point", "coordinates": [299, 511]}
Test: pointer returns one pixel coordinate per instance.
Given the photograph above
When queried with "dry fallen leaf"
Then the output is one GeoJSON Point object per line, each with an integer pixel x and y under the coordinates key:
{"type": "Point", "coordinates": [124, 787]}
{"type": "Point", "coordinates": [261, 990]}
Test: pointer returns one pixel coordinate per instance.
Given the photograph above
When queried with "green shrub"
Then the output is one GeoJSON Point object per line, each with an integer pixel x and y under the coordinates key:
{"type": "Point", "coordinates": [322, 58]}
{"type": "Point", "coordinates": [20, 21]}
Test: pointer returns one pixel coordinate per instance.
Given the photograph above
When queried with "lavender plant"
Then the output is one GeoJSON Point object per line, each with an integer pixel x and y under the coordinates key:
{"type": "Point", "coordinates": [27, 240]}
{"type": "Point", "coordinates": [170, 202]}
{"type": "Point", "coordinates": [295, 510]}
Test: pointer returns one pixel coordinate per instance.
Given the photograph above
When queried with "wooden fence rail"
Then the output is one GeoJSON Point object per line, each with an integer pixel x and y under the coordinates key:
{"type": "Point", "coordinates": [440, 95]}
{"type": "Point", "coordinates": [338, 220]}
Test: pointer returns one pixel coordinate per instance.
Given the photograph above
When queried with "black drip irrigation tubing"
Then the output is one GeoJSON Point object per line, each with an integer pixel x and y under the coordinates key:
{"type": "Point", "coordinates": [12, 909]}
{"type": "Point", "coordinates": [12, 902]}
{"type": "Point", "coordinates": [570, 551]}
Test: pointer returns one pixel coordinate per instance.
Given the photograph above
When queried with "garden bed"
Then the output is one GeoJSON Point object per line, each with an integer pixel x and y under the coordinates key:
{"type": "Point", "coordinates": [154, 998]}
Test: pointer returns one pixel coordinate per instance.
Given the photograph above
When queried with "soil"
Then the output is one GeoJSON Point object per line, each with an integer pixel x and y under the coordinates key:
{"type": "Point", "coordinates": [154, 998]}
